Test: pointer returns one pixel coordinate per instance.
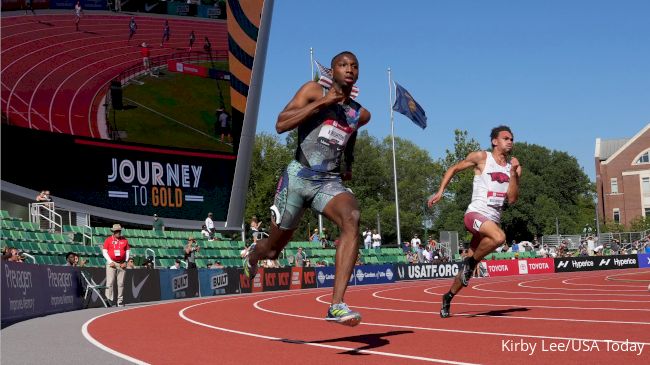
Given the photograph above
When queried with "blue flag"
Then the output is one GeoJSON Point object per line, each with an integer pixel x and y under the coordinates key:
{"type": "Point", "coordinates": [405, 104]}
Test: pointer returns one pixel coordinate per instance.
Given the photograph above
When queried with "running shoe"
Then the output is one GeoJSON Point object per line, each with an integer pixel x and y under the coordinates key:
{"type": "Point", "coordinates": [250, 269]}
{"type": "Point", "coordinates": [340, 313]}
{"type": "Point", "coordinates": [446, 305]}
{"type": "Point", "coordinates": [467, 272]}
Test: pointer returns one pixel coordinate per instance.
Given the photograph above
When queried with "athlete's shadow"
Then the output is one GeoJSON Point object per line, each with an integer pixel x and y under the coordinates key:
{"type": "Point", "coordinates": [371, 341]}
{"type": "Point", "coordinates": [499, 312]}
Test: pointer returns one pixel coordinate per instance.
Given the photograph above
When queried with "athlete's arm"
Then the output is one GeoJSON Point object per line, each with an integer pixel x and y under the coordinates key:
{"type": "Point", "coordinates": [513, 187]}
{"type": "Point", "coordinates": [471, 161]}
{"type": "Point", "coordinates": [307, 102]}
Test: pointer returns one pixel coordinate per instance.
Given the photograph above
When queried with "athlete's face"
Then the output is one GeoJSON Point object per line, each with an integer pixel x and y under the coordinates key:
{"type": "Point", "coordinates": [345, 70]}
{"type": "Point", "coordinates": [503, 142]}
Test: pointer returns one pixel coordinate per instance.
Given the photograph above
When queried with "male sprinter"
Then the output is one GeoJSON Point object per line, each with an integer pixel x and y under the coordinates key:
{"type": "Point", "coordinates": [496, 178]}
{"type": "Point", "coordinates": [327, 122]}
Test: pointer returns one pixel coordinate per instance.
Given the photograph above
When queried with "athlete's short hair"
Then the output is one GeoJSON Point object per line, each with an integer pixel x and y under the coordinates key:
{"type": "Point", "coordinates": [495, 132]}
{"type": "Point", "coordinates": [342, 54]}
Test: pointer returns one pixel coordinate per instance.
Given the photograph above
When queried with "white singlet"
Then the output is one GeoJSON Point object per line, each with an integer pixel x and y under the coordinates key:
{"type": "Point", "coordinates": [490, 189]}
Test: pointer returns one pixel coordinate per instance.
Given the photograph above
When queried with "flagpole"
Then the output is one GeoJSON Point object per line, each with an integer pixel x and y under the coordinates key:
{"type": "Point", "coordinates": [311, 59]}
{"type": "Point", "coordinates": [311, 78]}
{"type": "Point", "coordinates": [392, 136]}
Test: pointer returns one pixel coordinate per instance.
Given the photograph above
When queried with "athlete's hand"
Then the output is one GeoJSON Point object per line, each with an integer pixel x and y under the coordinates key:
{"type": "Point", "coordinates": [515, 167]}
{"type": "Point", "coordinates": [346, 175]}
{"type": "Point", "coordinates": [435, 198]}
{"type": "Point", "coordinates": [334, 96]}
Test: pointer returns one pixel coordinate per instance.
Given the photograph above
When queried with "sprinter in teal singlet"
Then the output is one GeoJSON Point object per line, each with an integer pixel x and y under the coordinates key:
{"type": "Point", "coordinates": [327, 122]}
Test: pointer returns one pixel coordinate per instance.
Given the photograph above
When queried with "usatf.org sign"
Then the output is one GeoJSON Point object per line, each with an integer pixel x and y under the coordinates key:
{"type": "Point", "coordinates": [426, 271]}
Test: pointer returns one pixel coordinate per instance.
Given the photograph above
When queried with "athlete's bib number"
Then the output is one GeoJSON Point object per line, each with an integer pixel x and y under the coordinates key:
{"type": "Point", "coordinates": [333, 133]}
{"type": "Point", "coordinates": [495, 199]}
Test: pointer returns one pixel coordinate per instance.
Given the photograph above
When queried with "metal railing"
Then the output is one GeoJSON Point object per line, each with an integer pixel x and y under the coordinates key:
{"type": "Point", "coordinates": [46, 212]}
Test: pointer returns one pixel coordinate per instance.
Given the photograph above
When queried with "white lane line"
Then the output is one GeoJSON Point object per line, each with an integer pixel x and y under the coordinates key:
{"type": "Point", "coordinates": [258, 306]}
{"type": "Point", "coordinates": [181, 313]}
{"type": "Point", "coordinates": [428, 291]}
{"type": "Point", "coordinates": [566, 282]}
{"type": "Point", "coordinates": [461, 296]}
{"type": "Point", "coordinates": [92, 340]}
{"type": "Point", "coordinates": [501, 317]}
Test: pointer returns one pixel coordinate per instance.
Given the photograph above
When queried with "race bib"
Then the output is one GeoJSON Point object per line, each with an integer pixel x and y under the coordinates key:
{"type": "Point", "coordinates": [334, 134]}
{"type": "Point", "coordinates": [117, 253]}
{"type": "Point", "coordinates": [495, 199]}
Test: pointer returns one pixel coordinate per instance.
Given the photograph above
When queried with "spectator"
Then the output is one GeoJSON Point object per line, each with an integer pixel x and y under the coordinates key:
{"type": "Point", "coordinates": [315, 237]}
{"type": "Point", "coordinates": [615, 247]}
{"type": "Point", "coordinates": [147, 264]}
{"type": "Point", "coordinates": [427, 254]}
{"type": "Point", "coordinates": [158, 225]}
{"type": "Point", "coordinates": [256, 227]}
{"type": "Point", "coordinates": [432, 244]}
{"type": "Point", "coordinates": [222, 125]}
{"type": "Point", "coordinates": [146, 52]}
{"type": "Point", "coordinates": [205, 233]}
{"type": "Point", "coordinates": [177, 265]}
{"type": "Point", "coordinates": [543, 252]}
{"type": "Point", "coordinates": [13, 255]}
{"type": "Point", "coordinates": [130, 264]}
{"type": "Point", "coordinates": [116, 251]}
{"type": "Point", "coordinates": [70, 259]}
{"type": "Point", "coordinates": [217, 265]}
{"type": "Point", "coordinates": [44, 197]}
{"type": "Point", "coordinates": [420, 254]}
{"type": "Point", "coordinates": [324, 238]}
{"type": "Point", "coordinates": [591, 244]}
{"type": "Point", "coordinates": [415, 241]}
{"type": "Point", "coordinates": [406, 246]}
{"type": "Point", "coordinates": [359, 261]}
{"type": "Point", "coordinates": [376, 240]}
{"type": "Point", "coordinates": [209, 224]}
{"type": "Point", "coordinates": [367, 238]}
{"type": "Point", "coordinates": [299, 258]}
{"type": "Point", "coordinates": [191, 249]}
{"type": "Point", "coordinates": [515, 246]}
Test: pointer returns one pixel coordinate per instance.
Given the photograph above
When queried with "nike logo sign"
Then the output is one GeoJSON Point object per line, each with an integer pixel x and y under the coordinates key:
{"type": "Point", "coordinates": [135, 289]}
{"type": "Point", "coordinates": [148, 7]}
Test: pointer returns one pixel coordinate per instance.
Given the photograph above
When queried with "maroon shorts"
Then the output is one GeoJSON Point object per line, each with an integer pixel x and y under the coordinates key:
{"type": "Point", "coordinates": [473, 222]}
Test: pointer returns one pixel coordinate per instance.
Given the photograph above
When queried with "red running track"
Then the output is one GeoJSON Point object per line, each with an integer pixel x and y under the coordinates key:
{"type": "Point", "coordinates": [590, 314]}
{"type": "Point", "coordinates": [51, 74]}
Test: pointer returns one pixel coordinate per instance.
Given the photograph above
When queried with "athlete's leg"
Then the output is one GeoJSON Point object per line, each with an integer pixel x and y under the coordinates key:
{"type": "Point", "coordinates": [492, 236]}
{"type": "Point", "coordinates": [270, 247]}
{"type": "Point", "coordinates": [343, 210]}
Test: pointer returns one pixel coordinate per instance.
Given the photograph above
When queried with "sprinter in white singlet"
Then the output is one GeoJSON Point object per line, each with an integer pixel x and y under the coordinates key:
{"type": "Point", "coordinates": [496, 180]}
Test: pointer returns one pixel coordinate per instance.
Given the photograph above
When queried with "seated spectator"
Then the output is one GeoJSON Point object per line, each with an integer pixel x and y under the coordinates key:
{"type": "Point", "coordinates": [13, 255]}
{"type": "Point", "coordinates": [315, 237]}
{"type": "Point", "coordinates": [217, 265]}
{"type": "Point", "coordinates": [205, 233]}
{"type": "Point", "coordinates": [543, 252]}
{"type": "Point", "coordinates": [148, 264]}
{"type": "Point", "coordinates": [177, 265]}
{"type": "Point", "coordinates": [130, 264]}
{"type": "Point", "coordinates": [515, 246]}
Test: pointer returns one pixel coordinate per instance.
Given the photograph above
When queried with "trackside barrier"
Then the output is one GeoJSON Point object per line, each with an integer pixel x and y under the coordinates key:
{"type": "Point", "coordinates": [36, 290]}
{"type": "Point", "coordinates": [591, 263]}
{"type": "Point", "coordinates": [644, 260]}
{"type": "Point", "coordinates": [427, 271]}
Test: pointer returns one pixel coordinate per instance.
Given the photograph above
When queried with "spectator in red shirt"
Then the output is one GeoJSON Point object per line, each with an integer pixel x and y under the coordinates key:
{"type": "Point", "coordinates": [116, 252]}
{"type": "Point", "coordinates": [145, 52]}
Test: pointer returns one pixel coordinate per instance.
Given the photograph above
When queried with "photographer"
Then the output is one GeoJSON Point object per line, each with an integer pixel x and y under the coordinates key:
{"type": "Point", "coordinates": [191, 249]}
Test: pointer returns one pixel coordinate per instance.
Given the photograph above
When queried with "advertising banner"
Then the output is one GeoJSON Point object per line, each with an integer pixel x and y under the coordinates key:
{"type": "Point", "coordinates": [187, 68]}
{"type": "Point", "coordinates": [308, 277]}
{"type": "Point", "coordinates": [257, 284]}
{"type": "Point", "coordinates": [176, 284]}
{"type": "Point", "coordinates": [375, 274]}
{"type": "Point", "coordinates": [590, 263]}
{"type": "Point", "coordinates": [69, 4]}
{"type": "Point", "coordinates": [427, 271]}
{"type": "Point", "coordinates": [536, 266]}
{"type": "Point", "coordinates": [502, 267]}
{"type": "Point", "coordinates": [141, 285]}
{"type": "Point", "coordinates": [277, 279]}
{"type": "Point", "coordinates": [213, 282]}
{"type": "Point", "coordinates": [325, 277]}
{"type": "Point", "coordinates": [644, 260]}
{"type": "Point", "coordinates": [34, 290]}
{"type": "Point", "coordinates": [217, 11]}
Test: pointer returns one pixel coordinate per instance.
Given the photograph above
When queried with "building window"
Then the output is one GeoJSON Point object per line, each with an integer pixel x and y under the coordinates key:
{"type": "Point", "coordinates": [645, 185]}
{"type": "Point", "coordinates": [617, 215]}
{"type": "Point", "coordinates": [644, 158]}
{"type": "Point", "coordinates": [647, 212]}
{"type": "Point", "coordinates": [614, 185]}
